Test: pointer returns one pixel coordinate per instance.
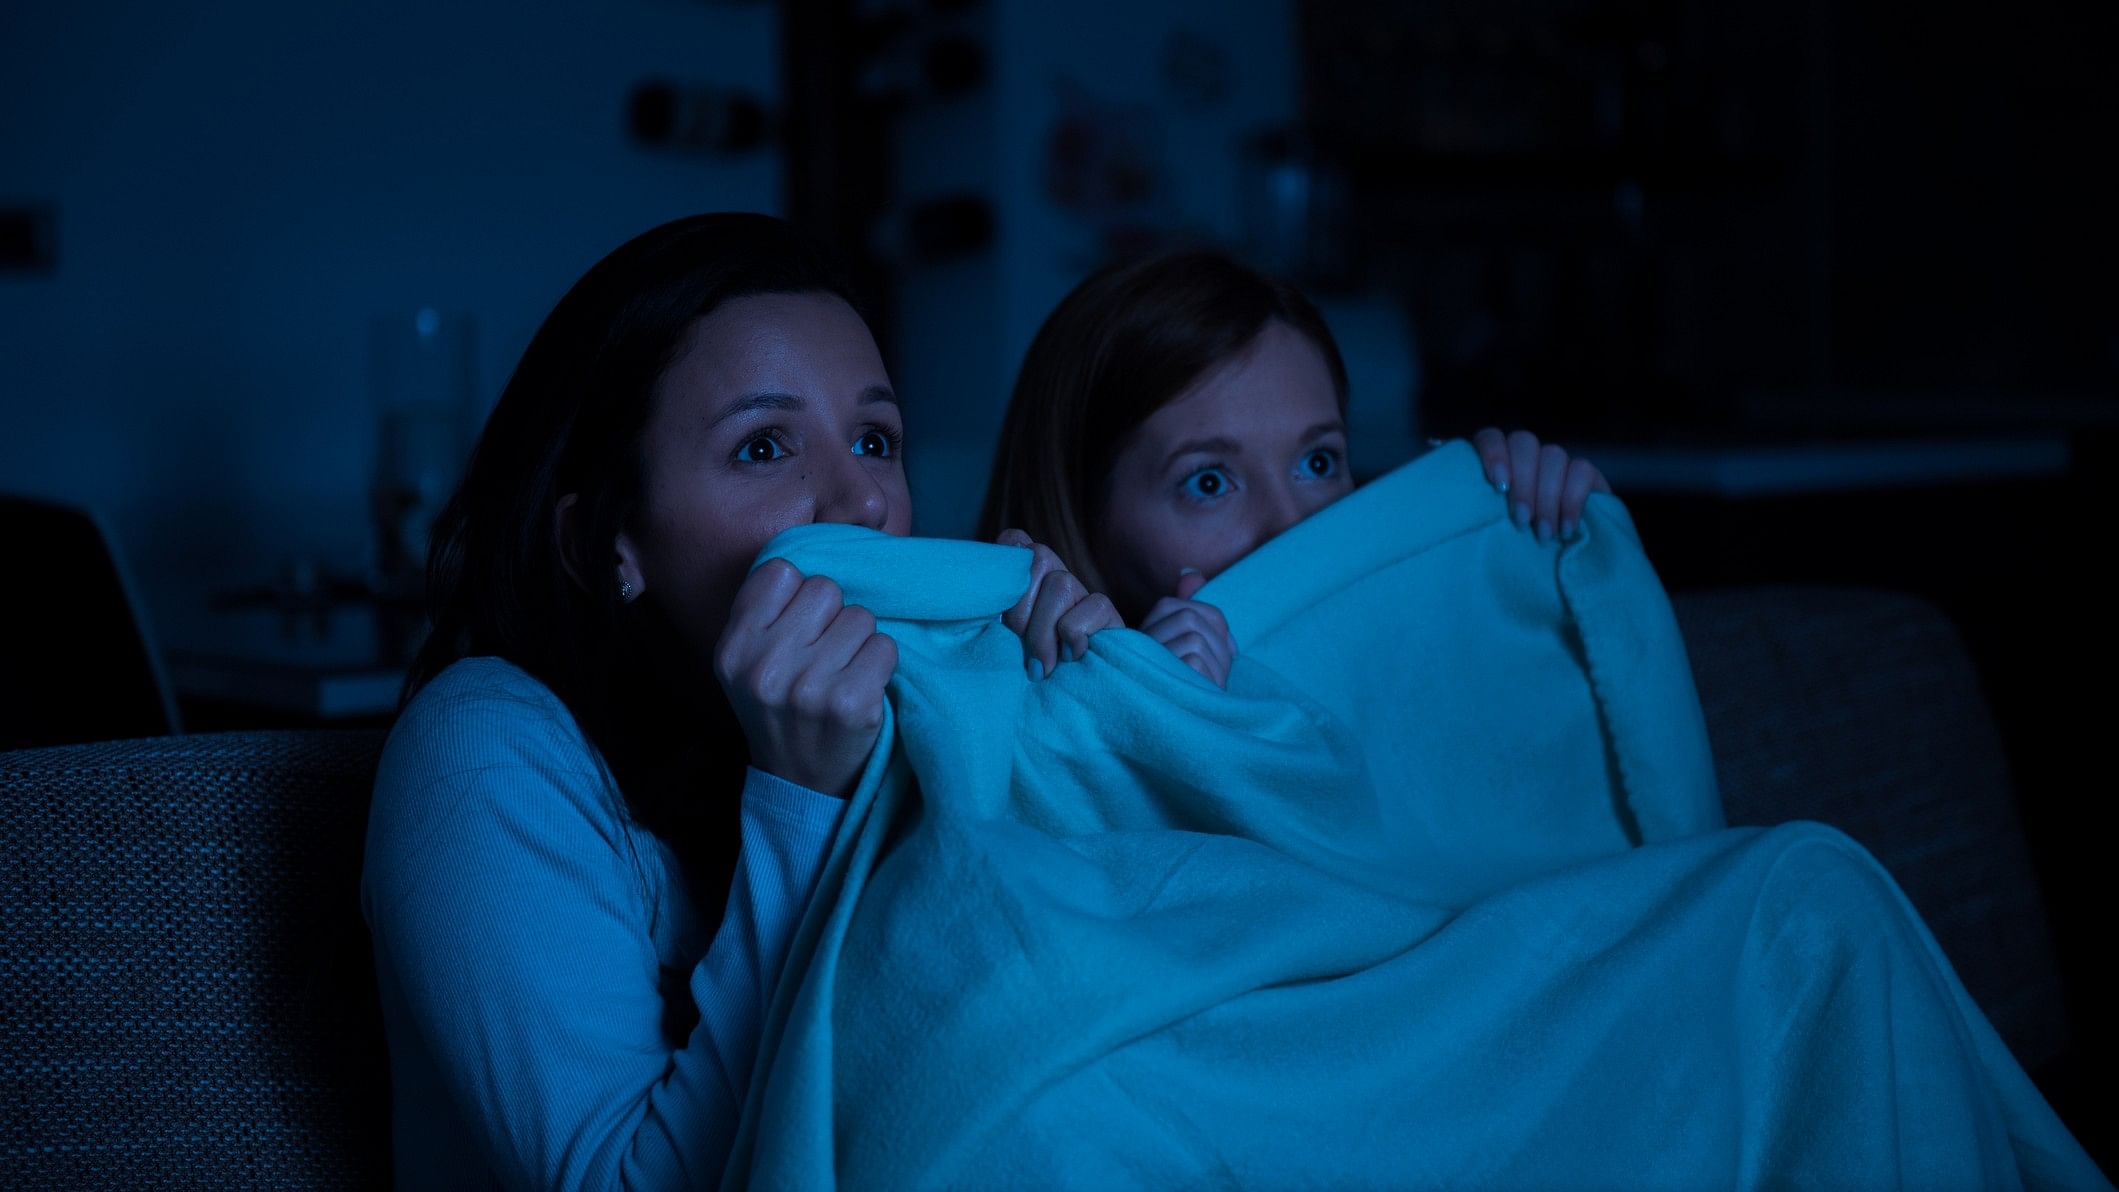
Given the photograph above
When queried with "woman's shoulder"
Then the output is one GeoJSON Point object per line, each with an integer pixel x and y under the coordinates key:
{"type": "Point", "coordinates": [485, 710]}
{"type": "Point", "coordinates": [486, 737]}
{"type": "Point", "coordinates": [488, 789]}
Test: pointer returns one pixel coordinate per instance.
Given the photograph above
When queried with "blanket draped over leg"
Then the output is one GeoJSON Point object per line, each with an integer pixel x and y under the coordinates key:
{"type": "Point", "coordinates": [1437, 892]}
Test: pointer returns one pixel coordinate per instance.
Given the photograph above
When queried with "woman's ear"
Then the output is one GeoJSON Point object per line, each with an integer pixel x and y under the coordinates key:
{"type": "Point", "coordinates": [566, 535]}
{"type": "Point", "coordinates": [627, 575]}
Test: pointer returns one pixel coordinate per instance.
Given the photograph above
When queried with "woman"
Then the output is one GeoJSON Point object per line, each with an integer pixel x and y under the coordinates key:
{"type": "Point", "coordinates": [1170, 417]}
{"type": "Point", "coordinates": [1174, 413]}
{"type": "Point", "coordinates": [611, 699]}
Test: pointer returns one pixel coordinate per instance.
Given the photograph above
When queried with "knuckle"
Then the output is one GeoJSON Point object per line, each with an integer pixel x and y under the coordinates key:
{"type": "Point", "coordinates": [728, 659]}
{"type": "Point", "coordinates": [812, 696]}
{"type": "Point", "coordinates": [852, 703]}
{"type": "Point", "coordinates": [859, 618]}
{"type": "Point", "coordinates": [765, 679]}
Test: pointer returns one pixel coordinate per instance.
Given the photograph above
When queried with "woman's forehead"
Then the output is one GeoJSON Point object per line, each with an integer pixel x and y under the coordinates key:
{"type": "Point", "coordinates": [1279, 388]}
{"type": "Point", "coordinates": [813, 346]}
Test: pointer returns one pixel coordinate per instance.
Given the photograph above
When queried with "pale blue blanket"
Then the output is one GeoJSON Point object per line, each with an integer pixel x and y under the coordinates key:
{"type": "Point", "coordinates": [1435, 894]}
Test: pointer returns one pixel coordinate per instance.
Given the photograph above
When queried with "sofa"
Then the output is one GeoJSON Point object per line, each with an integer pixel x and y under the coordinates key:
{"type": "Point", "coordinates": [190, 1002]}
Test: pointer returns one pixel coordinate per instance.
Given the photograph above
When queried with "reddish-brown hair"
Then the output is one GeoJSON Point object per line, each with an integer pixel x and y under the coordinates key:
{"type": "Point", "coordinates": [1123, 344]}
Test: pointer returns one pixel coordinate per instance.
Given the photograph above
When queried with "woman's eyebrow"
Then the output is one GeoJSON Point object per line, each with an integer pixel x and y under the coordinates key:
{"type": "Point", "coordinates": [1214, 446]}
{"type": "Point", "coordinates": [756, 401]}
{"type": "Point", "coordinates": [1324, 428]}
{"type": "Point", "coordinates": [788, 401]}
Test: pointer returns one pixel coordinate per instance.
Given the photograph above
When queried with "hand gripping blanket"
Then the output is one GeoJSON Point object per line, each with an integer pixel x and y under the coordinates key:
{"type": "Point", "coordinates": [1436, 893]}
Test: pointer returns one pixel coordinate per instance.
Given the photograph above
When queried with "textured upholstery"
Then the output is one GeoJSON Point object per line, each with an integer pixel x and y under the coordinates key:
{"type": "Point", "coordinates": [189, 999]}
{"type": "Point", "coordinates": [1861, 709]}
{"type": "Point", "coordinates": [187, 986]}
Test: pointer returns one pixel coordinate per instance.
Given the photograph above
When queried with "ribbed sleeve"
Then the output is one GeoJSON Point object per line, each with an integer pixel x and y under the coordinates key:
{"type": "Point", "coordinates": [515, 910]}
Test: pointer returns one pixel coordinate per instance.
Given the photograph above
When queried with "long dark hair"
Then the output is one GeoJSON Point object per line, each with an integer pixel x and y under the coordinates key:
{"type": "Point", "coordinates": [501, 582]}
{"type": "Point", "coordinates": [1121, 345]}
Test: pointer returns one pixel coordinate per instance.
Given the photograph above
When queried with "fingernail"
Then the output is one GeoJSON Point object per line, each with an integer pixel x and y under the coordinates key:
{"type": "Point", "coordinates": [1569, 529]}
{"type": "Point", "coordinates": [1501, 483]}
{"type": "Point", "coordinates": [1188, 571]}
{"type": "Point", "coordinates": [1037, 669]}
{"type": "Point", "coordinates": [1066, 652]}
{"type": "Point", "coordinates": [1521, 514]}
{"type": "Point", "coordinates": [1544, 529]}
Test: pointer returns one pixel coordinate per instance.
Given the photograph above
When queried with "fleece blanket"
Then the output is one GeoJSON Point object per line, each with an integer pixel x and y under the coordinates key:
{"type": "Point", "coordinates": [1435, 893]}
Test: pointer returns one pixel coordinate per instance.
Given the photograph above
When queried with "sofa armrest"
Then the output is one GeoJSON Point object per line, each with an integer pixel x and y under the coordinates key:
{"type": "Point", "coordinates": [190, 998]}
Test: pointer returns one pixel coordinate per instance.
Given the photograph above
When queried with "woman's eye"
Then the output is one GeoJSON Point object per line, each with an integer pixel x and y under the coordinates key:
{"type": "Point", "coordinates": [1207, 484]}
{"type": "Point", "coordinates": [1321, 463]}
{"type": "Point", "coordinates": [876, 442]}
{"type": "Point", "coordinates": [762, 449]}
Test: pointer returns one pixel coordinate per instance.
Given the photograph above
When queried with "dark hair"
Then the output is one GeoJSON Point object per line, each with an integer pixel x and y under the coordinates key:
{"type": "Point", "coordinates": [1121, 345]}
{"type": "Point", "coordinates": [571, 421]}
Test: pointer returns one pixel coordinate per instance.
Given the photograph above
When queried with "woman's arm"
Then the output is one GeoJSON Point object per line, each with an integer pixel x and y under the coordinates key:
{"type": "Point", "coordinates": [787, 831]}
{"type": "Point", "coordinates": [513, 924]}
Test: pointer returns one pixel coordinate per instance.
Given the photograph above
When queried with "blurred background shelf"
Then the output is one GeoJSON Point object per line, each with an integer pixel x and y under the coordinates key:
{"type": "Point", "coordinates": [1741, 471]}
{"type": "Point", "coordinates": [224, 691]}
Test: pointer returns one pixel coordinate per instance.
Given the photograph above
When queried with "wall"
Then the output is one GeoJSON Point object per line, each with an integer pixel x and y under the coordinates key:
{"type": "Point", "coordinates": [240, 186]}
{"type": "Point", "coordinates": [963, 326]}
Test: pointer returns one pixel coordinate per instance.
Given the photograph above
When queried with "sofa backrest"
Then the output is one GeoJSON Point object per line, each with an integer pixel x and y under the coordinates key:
{"type": "Point", "coordinates": [189, 994]}
{"type": "Point", "coordinates": [1861, 709]}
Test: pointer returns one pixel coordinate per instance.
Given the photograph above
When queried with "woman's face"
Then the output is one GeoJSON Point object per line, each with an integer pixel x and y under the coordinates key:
{"type": "Point", "coordinates": [1254, 446]}
{"type": "Point", "coordinates": [776, 413]}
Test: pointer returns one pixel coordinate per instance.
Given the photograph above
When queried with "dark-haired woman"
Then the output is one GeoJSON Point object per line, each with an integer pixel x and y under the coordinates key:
{"type": "Point", "coordinates": [604, 805]}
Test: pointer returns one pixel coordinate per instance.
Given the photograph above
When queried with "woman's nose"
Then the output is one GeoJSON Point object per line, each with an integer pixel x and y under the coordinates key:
{"type": "Point", "coordinates": [1278, 508]}
{"type": "Point", "coordinates": [856, 497]}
